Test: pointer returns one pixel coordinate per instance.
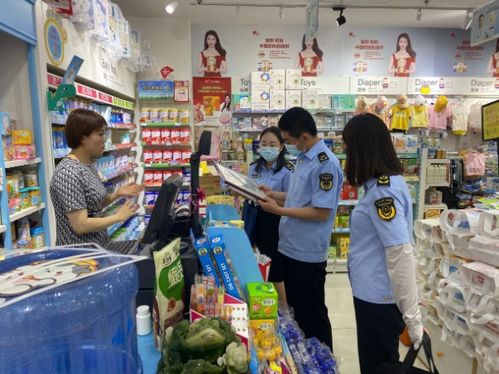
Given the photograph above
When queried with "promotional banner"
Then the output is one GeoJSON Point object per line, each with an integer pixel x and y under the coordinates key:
{"type": "Point", "coordinates": [236, 51]}
{"type": "Point", "coordinates": [212, 101]}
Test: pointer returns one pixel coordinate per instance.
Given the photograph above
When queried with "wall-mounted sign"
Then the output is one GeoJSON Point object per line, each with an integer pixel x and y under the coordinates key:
{"type": "Point", "coordinates": [481, 86]}
{"type": "Point", "coordinates": [54, 38]}
{"type": "Point", "coordinates": [435, 86]}
{"type": "Point", "coordinates": [376, 85]}
{"type": "Point", "coordinates": [485, 24]}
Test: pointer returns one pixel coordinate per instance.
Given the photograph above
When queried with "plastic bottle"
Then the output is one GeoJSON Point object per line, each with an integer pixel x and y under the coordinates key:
{"type": "Point", "coordinates": [143, 320]}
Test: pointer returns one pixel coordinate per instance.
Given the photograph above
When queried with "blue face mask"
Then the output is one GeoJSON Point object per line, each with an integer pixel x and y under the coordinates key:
{"type": "Point", "coordinates": [293, 149]}
{"type": "Point", "coordinates": [269, 153]}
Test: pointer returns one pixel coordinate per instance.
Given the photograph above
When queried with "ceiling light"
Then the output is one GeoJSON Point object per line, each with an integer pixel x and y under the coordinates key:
{"type": "Point", "coordinates": [419, 14]}
{"type": "Point", "coordinates": [170, 8]}
{"type": "Point", "coordinates": [281, 13]}
{"type": "Point", "coordinates": [467, 20]}
{"type": "Point", "coordinates": [341, 20]}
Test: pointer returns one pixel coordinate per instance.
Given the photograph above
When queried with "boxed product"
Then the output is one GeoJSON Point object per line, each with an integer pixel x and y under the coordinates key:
{"type": "Point", "coordinates": [219, 253]}
{"type": "Point", "coordinates": [293, 79]}
{"type": "Point", "coordinates": [181, 93]}
{"type": "Point", "coordinates": [262, 300]}
{"type": "Point", "coordinates": [277, 99]}
{"type": "Point", "coordinates": [310, 98]}
{"type": "Point", "coordinates": [343, 246]}
{"type": "Point", "coordinates": [202, 248]}
{"type": "Point", "coordinates": [260, 79]}
{"type": "Point", "coordinates": [24, 152]}
{"type": "Point", "coordinates": [5, 128]}
{"type": "Point", "coordinates": [278, 79]}
{"type": "Point", "coordinates": [241, 101]}
{"type": "Point", "coordinates": [349, 192]}
{"type": "Point", "coordinates": [260, 99]}
{"type": "Point", "coordinates": [293, 98]}
{"type": "Point", "coordinates": [22, 137]}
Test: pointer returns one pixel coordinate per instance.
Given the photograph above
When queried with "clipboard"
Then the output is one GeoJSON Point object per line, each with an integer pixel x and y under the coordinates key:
{"type": "Point", "coordinates": [240, 183]}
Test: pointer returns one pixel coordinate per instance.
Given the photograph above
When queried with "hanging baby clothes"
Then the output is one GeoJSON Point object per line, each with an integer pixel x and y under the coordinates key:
{"type": "Point", "coordinates": [420, 116]}
{"type": "Point", "coordinates": [380, 108]}
{"type": "Point", "coordinates": [475, 118]}
{"type": "Point", "coordinates": [400, 114]}
{"type": "Point", "coordinates": [474, 164]}
{"type": "Point", "coordinates": [459, 119]}
{"type": "Point", "coordinates": [439, 115]}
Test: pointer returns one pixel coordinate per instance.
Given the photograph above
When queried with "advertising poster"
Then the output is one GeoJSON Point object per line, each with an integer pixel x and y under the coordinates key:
{"type": "Point", "coordinates": [236, 51]}
{"type": "Point", "coordinates": [485, 24]}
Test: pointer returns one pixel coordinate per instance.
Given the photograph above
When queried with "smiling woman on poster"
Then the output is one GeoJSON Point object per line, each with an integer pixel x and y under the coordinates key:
{"type": "Point", "coordinates": [494, 62]}
{"type": "Point", "coordinates": [403, 60]}
{"type": "Point", "coordinates": [310, 58]}
{"type": "Point", "coordinates": [212, 60]}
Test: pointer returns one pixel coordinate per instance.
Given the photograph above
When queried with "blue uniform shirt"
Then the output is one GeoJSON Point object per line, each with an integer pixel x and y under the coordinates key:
{"type": "Point", "coordinates": [277, 182]}
{"type": "Point", "coordinates": [316, 182]}
{"type": "Point", "coordinates": [381, 219]}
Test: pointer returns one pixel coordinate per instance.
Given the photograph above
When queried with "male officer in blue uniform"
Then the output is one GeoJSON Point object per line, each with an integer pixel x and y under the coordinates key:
{"type": "Point", "coordinates": [308, 210]}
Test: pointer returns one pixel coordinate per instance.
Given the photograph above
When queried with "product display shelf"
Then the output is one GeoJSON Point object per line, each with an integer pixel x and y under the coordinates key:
{"type": "Point", "coordinates": [166, 166]}
{"type": "Point", "coordinates": [183, 145]}
{"type": "Point", "coordinates": [424, 185]}
{"type": "Point", "coordinates": [21, 95]}
{"type": "Point", "coordinates": [119, 173]}
{"type": "Point", "coordinates": [169, 125]}
{"type": "Point", "coordinates": [2, 229]}
{"type": "Point", "coordinates": [25, 212]}
{"type": "Point", "coordinates": [120, 147]}
{"type": "Point", "coordinates": [19, 163]}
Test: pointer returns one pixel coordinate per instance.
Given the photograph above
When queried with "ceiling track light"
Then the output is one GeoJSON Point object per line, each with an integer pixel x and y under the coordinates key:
{"type": "Point", "coordinates": [281, 13]}
{"type": "Point", "coordinates": [467, 20]}
{"type": "Point", "coordinates": [419, 14]}
{"type": "Point", "coordinates": [170, 7]}
{"type": "Point", "coordinates": [341, 20]}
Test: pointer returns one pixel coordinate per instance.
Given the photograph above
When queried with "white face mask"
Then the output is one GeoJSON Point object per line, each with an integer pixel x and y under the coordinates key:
{"type": "Point", "coordinates": [293, 148]}
{"type": "Point", "coordinates": [269, 153]}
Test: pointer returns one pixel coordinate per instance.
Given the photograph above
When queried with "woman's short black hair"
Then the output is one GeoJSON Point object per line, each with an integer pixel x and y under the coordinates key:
{"type": "Point", "coordinates": [281, 160]}
{"type": "Point", "coordinates": [80, 123]}
{"type": "Point", "coordinates": [369, 150]}
{"type": "Point", "coordinates": [296, 121]}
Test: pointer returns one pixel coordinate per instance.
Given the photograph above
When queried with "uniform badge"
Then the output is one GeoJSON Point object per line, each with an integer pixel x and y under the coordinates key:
{"type": "Point", "coordinates": [326, 181]}
{"type": "Point", "coordinates": [385, 208]}
{"type": "Point", "coordinates": [322, 157]}
{"type": "Point", "coordinates": [290, 166]}
{"type": "Point", "coordinates": [384, 180]}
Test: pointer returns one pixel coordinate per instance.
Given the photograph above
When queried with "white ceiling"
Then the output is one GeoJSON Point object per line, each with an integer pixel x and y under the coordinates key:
{"type": "Point", "coordinates": [205, 14]}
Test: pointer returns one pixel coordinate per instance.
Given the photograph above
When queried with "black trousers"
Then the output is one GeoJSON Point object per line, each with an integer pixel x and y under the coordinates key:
{"type": "Point", "coordinates": [378, 330]}
{"type": "Point", "coordinates": [304, 282]}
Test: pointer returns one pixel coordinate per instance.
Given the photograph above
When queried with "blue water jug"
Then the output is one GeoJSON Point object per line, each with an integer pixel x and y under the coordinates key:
{"type": "Point", "coordinates": [87, 326]}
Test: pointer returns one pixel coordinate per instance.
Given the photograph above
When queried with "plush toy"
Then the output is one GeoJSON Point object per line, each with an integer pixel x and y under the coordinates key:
{"type": "Point", "coordinates": [380, 108]}
{"type": "Point", "coordinates": [361, 105]}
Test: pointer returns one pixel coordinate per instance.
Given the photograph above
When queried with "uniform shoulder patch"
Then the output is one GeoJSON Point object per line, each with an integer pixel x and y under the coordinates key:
{"type": "Point", "coordinates": [326, 181]}
{"type": "Point", "coordinates": [385, 208]}
{"type": "Point", "coordinates": [290, 166]}
{"type": "Point", "coordinates": [383, 180]}
{"type": "Point", "coordinates": [322, 157]}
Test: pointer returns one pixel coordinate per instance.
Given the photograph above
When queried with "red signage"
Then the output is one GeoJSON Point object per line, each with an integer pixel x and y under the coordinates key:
{"type": "Point", "coordinates": [105, 98]}
{"type": "Point", "coordinates": [86, 91]}
{"type": "Point", "coordinates": [166, 71]}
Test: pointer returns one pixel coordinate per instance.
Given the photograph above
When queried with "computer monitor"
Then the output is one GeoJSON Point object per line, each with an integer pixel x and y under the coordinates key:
{"type": "Point", "coordinates": [162, 219]}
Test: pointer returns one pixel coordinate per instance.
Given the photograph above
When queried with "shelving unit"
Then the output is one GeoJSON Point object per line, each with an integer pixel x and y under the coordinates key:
{"type": "Point", "coordinates": [19, 95]}
{"type": "Point", "coordinates": [162, 143]}
{"type": "Point", "coordinates": [425, 184]}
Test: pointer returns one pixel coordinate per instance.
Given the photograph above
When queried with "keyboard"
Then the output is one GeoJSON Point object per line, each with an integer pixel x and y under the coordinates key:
{"type": "Point", "coordinates": [125, 247]}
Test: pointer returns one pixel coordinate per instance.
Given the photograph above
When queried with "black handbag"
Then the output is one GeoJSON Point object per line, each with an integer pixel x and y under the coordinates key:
{"type": "Point", "coordinates": [407, 366]}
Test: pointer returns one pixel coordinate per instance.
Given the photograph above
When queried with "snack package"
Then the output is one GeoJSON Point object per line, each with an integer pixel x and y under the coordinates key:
{"type": "Point", "coordinates": [262, 300]}
{"type": "Point", "coordinates": [168, 304]}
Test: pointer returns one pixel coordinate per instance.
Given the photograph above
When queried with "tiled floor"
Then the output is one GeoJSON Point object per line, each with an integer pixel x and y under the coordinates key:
{"type": "Point", "coordinates": [342, 316]}
{"type": "Point", "coordinates": [341, 313]}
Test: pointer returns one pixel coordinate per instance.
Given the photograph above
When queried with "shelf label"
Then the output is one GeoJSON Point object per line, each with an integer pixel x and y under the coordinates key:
{"type": "Point", "coordinates": [105, 97]}
{"type": "Point", "coordinates": [118, 102]}
{"type": "Point", "coordinates": [481, 86]}
{"type": "Point", "coordinates": [435, 86]}
{"type": "Point", "coordinates": [376, 85]}
{"type": "Point", "coordinates": [53, 80]}
{"type": "Point", "coordinates": [86, 91]}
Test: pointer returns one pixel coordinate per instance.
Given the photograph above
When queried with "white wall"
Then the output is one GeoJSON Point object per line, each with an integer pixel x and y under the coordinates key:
{"type": "Point", "coordinates": [170, 39]}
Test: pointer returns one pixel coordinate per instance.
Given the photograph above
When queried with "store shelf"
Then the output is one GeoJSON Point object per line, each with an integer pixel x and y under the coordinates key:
{"type": "Point", "coordinates": [340, 230]}
{"type": "Point", "coordinates": [436, 206]}
{"type": "Point", "coordinates": [91, 93]}
{"type": "Point", "coordinates": [18, 163]}
{"type": "Point", "coordinates": [186, 145]}
{"type": "Point", "coordinates": [166, 166]}
{"type": "Point", "coordinates": [165, 125]}
{"type": "Point", "coordinates": [441, 184]}
{"type": "Point", "coordinates": [157, 187]}
{"type": "Point", "coordinates": [438, 161]}
{"type": "Point", "coordinates": [3, 228]}
{"type": "Point", "coordinates": [122, 126]}
{"type": "Point", "coordinates": [348, 202]}
{"type": "Point", "coordinates": [257, 112]}
{"type": "Point", "coordinates": [25, 212]}
{"type": "Point", "coordinates": [119, 173]}
{"type": "Point", "coordinates": [411, 178]}
{"type": "Point", "coordinates": [119, 147]}
{"type": "Point", "coordinates": [407, 155]}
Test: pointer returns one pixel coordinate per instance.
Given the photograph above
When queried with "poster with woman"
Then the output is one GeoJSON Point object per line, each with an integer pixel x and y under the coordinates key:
{"type": "Point", "coordinates": [310, 58]}
{"type": "Point", "coordinates": [494, 61]}
{"type": "Point", "coordinates": [403, 60]}
{"type": "Point", "coordinates": [213, 58]}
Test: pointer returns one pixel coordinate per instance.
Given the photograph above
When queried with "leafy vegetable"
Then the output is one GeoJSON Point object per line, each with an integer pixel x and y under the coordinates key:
{"type": "Point", "coordinates": [236, 358]}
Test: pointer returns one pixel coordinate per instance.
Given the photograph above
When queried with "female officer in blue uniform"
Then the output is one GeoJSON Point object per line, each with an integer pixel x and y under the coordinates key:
{"type": "Point", "coordinates": [271, 170]}
{"type": "Point", "coordinates": [381, 264]}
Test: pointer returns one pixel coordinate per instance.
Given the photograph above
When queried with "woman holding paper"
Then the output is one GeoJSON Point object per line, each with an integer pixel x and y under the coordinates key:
{"type": "Point", "coordinates": [270, 170]}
